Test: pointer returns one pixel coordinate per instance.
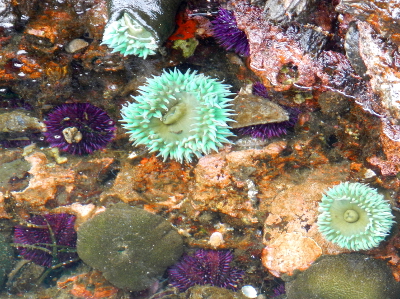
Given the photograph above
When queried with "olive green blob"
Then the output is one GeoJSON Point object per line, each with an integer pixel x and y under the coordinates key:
{"type": "Point", "coordinates": [6, 259]}
{"type": "Point", "coordinates": [130, 246]}
{"type": "Point", "coordinates": [345, 276]}
{"type": "Point", "coordinates": [156, 16]}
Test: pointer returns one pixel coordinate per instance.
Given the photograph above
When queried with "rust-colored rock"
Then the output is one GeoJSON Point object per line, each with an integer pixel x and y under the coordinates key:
{"type": "Point", "coordinates": [151, 182]}
{"type": "Point", "coordinates": [224, 182]}
{"type": "Point", "coordinates": [291, 203]}
{"type": "Point", "coordinates": [51, 185]}
{"type": "Point", "coordinates": [381, 15]}
{"type": "Point", "coordinates": [51, 30]}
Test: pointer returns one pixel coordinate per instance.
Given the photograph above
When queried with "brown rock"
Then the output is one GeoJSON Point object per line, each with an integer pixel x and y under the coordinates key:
{"type": "Point", "coordinates": [289, 252]}
{"type": "Point", "coordinates": [51, 185]}
{"type": "Point", "coordinates": [254, 110]}
{"type": "Point", "coordinates": [224, 182]}
{"type": "Point", "coordinates": [290, 230]}
{"type": "Point", "coordinates": [151, 182]}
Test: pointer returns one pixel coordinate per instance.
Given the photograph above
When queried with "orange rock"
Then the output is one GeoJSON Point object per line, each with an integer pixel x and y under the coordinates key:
{"type": "Point", "coordinates": [51, 30]}
{"type": "Point", "coordinates": [91, 285]}
{"type": "Point", "coordinates": [289, 252]}
{"type": "Point", "coordinates": [51, 184]}
{"type": "Point", "coordinates": [45, 181]}
{"type": "Point", "coordinates": [223, 183]}
{"type": "Point", "coordinates": [152, 182]}
{"type": "Point", "coordinates": [290, 230]}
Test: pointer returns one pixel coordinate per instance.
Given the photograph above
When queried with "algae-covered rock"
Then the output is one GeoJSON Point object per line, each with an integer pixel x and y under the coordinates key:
{"type": "Point", "coordinates": [345, 276]}
{"type": "Point", "coordinates": [6, 259]}
{"type": "Point", "coordinates": [130, 246]}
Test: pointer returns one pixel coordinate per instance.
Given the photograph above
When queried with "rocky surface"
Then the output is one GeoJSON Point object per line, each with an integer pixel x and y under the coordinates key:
{"type": "Point", "coordinates": [336, 62]}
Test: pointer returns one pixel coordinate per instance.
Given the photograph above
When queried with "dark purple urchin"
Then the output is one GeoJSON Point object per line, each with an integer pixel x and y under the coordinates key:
{"type": "Point", "coordinates": [227, 33]}
{"type": "Point", "coordinates": [62, 227]}
{"type": "Point", "coordinates": [267, 131]}
{"type": "Point", "coordinates": [79, 128]}
{"type": "Point", "coordinates": [205, 267]}
{"type": "Point", "coordinates": [260, 90]}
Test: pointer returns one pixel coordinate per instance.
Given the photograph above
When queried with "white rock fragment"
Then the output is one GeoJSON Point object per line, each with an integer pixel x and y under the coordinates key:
{"type": "Point", "coordinates": [216, 239]}
{"type": "Point", "coordinates": [249, 291]}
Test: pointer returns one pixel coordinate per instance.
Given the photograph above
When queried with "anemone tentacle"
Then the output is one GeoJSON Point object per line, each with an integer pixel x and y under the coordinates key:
{"type": "Point", "coordinates": [128, 37]}
{"type": "Point", "coordinates": [180, 115]}
{"type": "Point", "coordinates": [354, 216]}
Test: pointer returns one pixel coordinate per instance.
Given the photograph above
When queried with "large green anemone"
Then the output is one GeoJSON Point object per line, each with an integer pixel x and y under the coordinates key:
{"type": "Point", "coordinates": [127, 36]}
{"type": "Point", "coordinates": [179, 115]}
{"type": "Point", "coordinates": [354, 216]}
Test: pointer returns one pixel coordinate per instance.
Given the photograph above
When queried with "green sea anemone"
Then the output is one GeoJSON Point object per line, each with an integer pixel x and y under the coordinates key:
{"type": "Point", "coordinates": [354, 216]}
{"type": "Point", "coordinates": [128, 37]}
{"type": "Point", "coordinates": [139, 27]}
{"type": "Point", "coordinates": [179, 115]}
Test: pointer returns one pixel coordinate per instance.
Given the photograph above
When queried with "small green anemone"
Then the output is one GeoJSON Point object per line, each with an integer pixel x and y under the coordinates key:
{"type": "Point", "coordinates": [180, 115]}
{"type": "Point", "coordinates": [128, 37]}
{"type": "Point", "coordinates": [354, 216]}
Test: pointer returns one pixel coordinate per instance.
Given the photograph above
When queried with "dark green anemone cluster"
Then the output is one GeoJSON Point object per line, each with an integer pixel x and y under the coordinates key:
{"type": "Point", "coordinates": [345, 276]}
{"type": "Point", "coordinates": [130, 246]}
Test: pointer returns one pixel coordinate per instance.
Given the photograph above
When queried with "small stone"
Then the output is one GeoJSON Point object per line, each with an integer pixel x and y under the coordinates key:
{"type": "Point", "coordinates": [19, 121]}
{"type": "Point", "coordinates": [249, 291]}
{"type": "Point", "coordinates": [76, 45]}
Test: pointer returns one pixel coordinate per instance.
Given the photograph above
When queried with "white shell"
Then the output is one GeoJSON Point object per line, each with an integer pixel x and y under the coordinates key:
{"type": "Point", "coordinates": [216, 239]}
{"type": "Point", "coordinates": [249, 291]}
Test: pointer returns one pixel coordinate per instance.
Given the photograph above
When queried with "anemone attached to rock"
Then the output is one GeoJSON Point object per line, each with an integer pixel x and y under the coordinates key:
{"type": "Point", "coordinates": [180, 115]}
{"type": "Point", "coordinates": [79, 128]}
{"type": "Point", "coordinates": [354, 216]}
{"type": "Point", "coordinates": [128, 37]}
{"type": "Point", "coordinates": [139, 27]}
{"type": "Point", "coordinates": [228, 35]}
{"type": "Point", "coordinates": [130, 246]}
{"type": "Point", "coordinates": [205, 267]}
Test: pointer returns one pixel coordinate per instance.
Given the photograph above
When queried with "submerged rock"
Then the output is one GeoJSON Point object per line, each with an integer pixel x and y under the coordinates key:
{"type": "Point", "coordinates": [254, 110]}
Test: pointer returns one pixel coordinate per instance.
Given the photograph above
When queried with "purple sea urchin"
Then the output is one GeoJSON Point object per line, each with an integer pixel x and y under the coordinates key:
{"type": "Point", "coordinates": [79, 128]}
{"type": "Point", "coordinates": [228, 35]}
{"type": "Point", "coordinates": [179, 115]}
{"type": "Point", "coordinates": [354, 216]}
{"type": "Point", "coordinates": [271, 130]}
{"type": "Point", "coordinates": [260, 90]}
{"type": "Point", "coordinates": [205, 267]}
{"type": "Point", "coordinates": [54, 236]}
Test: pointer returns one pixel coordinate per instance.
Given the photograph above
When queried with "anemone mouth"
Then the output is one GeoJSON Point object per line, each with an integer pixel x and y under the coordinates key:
{"type": "Point", "coordinates": [128, 37]}
{"type": "Point", "coordinates": [180, 115]}
{"type": "Point", "coordinates": [354, 216]}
